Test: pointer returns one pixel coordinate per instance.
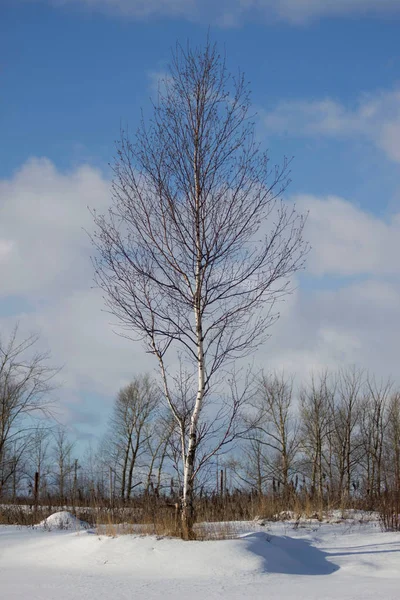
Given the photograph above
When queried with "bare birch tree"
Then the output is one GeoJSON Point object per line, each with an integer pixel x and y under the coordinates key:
{"type": "Point", "coordinates": [197, 244]}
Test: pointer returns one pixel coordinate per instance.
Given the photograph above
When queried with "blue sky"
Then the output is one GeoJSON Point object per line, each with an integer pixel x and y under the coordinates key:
{"type": "Point", "coordinates": [325, 81]}
{"type": "Point", "coordinates": [70, 76]}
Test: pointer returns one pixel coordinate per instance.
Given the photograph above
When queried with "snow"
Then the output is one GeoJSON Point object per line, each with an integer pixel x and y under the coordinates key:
{"type": "Point", "coordinates": [310, 561]}
{"type": "Point", "coordinates": [63, 520]}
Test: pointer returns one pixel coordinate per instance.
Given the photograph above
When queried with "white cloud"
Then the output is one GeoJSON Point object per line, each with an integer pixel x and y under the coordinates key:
{"type": "Point", "coordinates": [42, 214]}
{"type": "Point", "coordinates": [233, 12]}
{"type": "Point", "coordinates": [81, 334]}
{"type": "Point", "coordinates": [347, 241]}
{"type": "Point", "coordinates": [353, 325]}
{"type": "Point", "coordinates": [45, 265]}
{"type": "Point", "coordinates": [376, 118]}
{"type": "Point", "coordinates": [299, 11]}
{"type": "Point", "coordinates": [6, 247]}
{"type": "Point", "coordinates": [135, 8]}
{"type": "Point", "coordinates": [354, 320]}
{"type": "Point", "coordinates": [43, 247]}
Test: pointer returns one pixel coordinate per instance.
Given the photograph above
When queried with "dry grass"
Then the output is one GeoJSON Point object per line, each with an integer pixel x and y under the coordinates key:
{"type": "Point", "coordinates": [389, 510]}
{"type": "Point", "coordinates": [23, 515]}
{"type": "Point", "coordinates": [218, 517]}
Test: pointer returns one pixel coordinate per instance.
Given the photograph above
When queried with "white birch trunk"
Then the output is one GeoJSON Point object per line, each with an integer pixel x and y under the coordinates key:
{"type": "Point", "coordinates": [188, 492]}
{"type": "Point", "coordinates": [189, 463]}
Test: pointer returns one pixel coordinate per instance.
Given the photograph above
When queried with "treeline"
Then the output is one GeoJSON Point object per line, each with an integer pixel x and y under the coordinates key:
{"type": "Point", "coordinates": [334, 441]}
{"type": "Point", "coordinates": [337, 439]}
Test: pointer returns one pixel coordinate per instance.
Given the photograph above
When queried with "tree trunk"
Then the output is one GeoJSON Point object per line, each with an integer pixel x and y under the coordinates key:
{"type": "Point", "coordinates": [124, 470]}
{"type": "Point", "coordinates": [129, 486]}
{"type": "Point", "coordinates": [188, 480]}
{"type": "Point", "coordinates": [188, 516]}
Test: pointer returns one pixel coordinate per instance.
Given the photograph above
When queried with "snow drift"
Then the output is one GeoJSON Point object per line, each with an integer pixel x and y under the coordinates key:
{"type": "Point", "coordinates": [278, 562]}
{"type": "Point", "coordinates": [63, 520]}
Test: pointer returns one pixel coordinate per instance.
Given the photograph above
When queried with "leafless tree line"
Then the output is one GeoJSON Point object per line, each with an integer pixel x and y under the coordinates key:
{"type": "Point", "coordinates": [36, 452]}
{"type": "Point", "coordinates": [337, 439]}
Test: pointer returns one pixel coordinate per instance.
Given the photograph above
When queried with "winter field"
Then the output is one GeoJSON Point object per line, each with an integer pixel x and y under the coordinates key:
{"type": "Point", "coordinates": [347, 560]}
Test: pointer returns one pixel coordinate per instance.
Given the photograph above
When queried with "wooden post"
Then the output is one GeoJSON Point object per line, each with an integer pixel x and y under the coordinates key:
{"type": "Point", "coordinates": [36, 488]}
{"type": "Point", "coordinates": [111, 487]}
{"type": "Point", "coordinates": [36, 493]}
{"type": "Point", "coordinates": [75, 482]}
{"type": "Point", "coordinates": [14, 479]}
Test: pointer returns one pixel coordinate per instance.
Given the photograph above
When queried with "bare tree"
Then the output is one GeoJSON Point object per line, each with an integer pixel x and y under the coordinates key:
{"type": "Point", "coordinates": [316, 401]}
{"type": "Point", "coordinates": [39, 446]}
{"type": "Point", "coordinates": [392, 444]}
{"type": "Point", "coordinates": [276, 428]}
{"type": "Point", "coordinates": [159, 437]}
{"type": "Point", "coordinates": [345, 437]}
{"type": "Point", "coordinates": [252, 468]}
{"type": "Point", "coordinates": [25, 383]}
{"type": "Point", "coordinates": [134, 409]}
{"type": "Point", "coordinates": [197, 245]}
{"type": "Point", "coordinates": [94, 465]}
{"type": "Point", "coordinates": [374, 424]}
{"type": "Point", "coordinates": [63, 462]}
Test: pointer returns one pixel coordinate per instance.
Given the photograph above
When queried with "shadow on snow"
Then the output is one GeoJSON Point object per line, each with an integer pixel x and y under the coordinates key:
{"type": "Point", "coordinates": [287, 555]}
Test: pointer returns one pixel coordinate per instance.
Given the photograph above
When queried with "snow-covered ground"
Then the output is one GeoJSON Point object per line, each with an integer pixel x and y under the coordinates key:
{"type": "Point", "coordinates": [346, 561]}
